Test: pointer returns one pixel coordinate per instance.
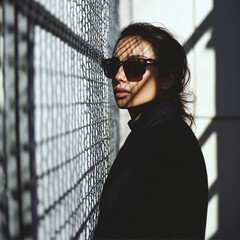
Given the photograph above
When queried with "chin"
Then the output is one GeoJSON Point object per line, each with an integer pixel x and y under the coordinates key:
{"type": "Point", "coordinates": [129, 105]}
{"type": "Point", "coordinates": [122, 106]}
{"type": "Point", "coordinates": [121, 103]}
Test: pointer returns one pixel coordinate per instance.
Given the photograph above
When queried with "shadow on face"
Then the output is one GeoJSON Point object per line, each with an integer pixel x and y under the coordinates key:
{"type": "Point", "coordinates": [144, 88]}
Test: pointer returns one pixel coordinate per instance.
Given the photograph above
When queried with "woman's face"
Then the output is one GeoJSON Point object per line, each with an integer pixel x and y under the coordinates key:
{"type": "Point", "coordinates": [135, 91]}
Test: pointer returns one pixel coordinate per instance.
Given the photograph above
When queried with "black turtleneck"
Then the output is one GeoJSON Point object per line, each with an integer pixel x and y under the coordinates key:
{"type": "Point", "coordinates": [157, 186]}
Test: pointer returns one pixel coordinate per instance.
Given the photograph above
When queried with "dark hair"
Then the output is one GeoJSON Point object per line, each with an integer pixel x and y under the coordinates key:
{"type": "Point", "coordinates": [172, 56]}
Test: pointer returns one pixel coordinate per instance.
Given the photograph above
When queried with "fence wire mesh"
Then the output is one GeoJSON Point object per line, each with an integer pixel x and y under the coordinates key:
{"type": "Point", "coordinates": [2, 160]}
{"type": "Point", "coordinates": [61, 118]}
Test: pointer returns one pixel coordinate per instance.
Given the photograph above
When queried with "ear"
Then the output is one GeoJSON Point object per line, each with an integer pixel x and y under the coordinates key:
{"type": "Point", "coordinates": [168, 80]}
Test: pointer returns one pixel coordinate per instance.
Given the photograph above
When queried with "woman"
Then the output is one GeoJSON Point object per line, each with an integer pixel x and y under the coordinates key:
{"type": "Point", "coordinates": [157, 186]}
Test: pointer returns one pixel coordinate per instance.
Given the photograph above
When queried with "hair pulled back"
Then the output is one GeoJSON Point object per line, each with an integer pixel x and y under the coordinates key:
{"type": "Point", "coordinates": [172, 56]}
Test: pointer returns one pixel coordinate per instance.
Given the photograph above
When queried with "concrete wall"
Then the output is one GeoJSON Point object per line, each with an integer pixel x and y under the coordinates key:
{"type": "Point", "coordinates": [210, 33]}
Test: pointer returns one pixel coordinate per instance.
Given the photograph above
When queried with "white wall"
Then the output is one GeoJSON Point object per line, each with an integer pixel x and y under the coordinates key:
{"type": "Point", "coordinates": [210, 32]}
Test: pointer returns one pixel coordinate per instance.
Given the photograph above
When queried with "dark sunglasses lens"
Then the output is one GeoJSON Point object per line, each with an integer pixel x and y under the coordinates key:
{"type": "Point", "coordinates": [110, 67]}
{"type": "Point", "coordinates": [135, 67]}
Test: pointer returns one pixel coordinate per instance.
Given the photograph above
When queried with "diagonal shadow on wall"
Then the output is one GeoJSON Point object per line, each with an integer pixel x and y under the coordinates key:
{"type": "Point", "coordinates": [224, 19]}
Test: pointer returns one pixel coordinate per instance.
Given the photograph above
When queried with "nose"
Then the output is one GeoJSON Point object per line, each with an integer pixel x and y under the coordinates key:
{"type": "Point", "coordinates": [120, 76]}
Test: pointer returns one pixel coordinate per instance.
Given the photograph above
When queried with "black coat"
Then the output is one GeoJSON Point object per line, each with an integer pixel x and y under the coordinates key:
{"type": "Point", "coordinates": [157, 186]}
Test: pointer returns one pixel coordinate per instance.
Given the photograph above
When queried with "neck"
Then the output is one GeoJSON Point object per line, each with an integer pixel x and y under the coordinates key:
{"type": "Point", "coordinates": [136, 112]}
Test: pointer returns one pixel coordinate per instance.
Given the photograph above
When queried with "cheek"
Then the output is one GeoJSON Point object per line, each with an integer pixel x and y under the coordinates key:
{"type": "Point", "coordinates": [147, 89]}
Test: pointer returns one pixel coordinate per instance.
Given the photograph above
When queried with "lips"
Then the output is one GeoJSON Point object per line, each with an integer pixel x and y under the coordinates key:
{"type": "Point", "coordinates": [121, 92]}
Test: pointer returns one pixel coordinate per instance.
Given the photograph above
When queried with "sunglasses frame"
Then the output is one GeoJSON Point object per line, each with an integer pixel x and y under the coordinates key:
{"type": "Point", "coordinates": [119, 63]}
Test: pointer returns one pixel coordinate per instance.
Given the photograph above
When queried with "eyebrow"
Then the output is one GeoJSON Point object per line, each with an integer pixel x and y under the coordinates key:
{"type": "Point", "coordinates": [133, 56]}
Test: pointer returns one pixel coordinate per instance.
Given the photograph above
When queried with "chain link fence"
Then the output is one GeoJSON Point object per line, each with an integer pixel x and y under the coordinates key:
{"type": "Point", "coordinates": [58, 120]}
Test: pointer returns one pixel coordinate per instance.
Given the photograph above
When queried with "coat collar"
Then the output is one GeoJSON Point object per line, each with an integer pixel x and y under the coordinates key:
{"type": "Point", "coordinates": [156, 112]}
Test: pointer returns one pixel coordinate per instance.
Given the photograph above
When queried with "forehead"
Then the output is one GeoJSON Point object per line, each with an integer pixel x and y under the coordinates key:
{"type": "Point", "coordinates": [130, 46]}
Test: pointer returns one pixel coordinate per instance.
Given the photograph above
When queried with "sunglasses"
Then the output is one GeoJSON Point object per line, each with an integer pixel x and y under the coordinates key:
{"type": "Point", "coordinates": [133, 67]}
